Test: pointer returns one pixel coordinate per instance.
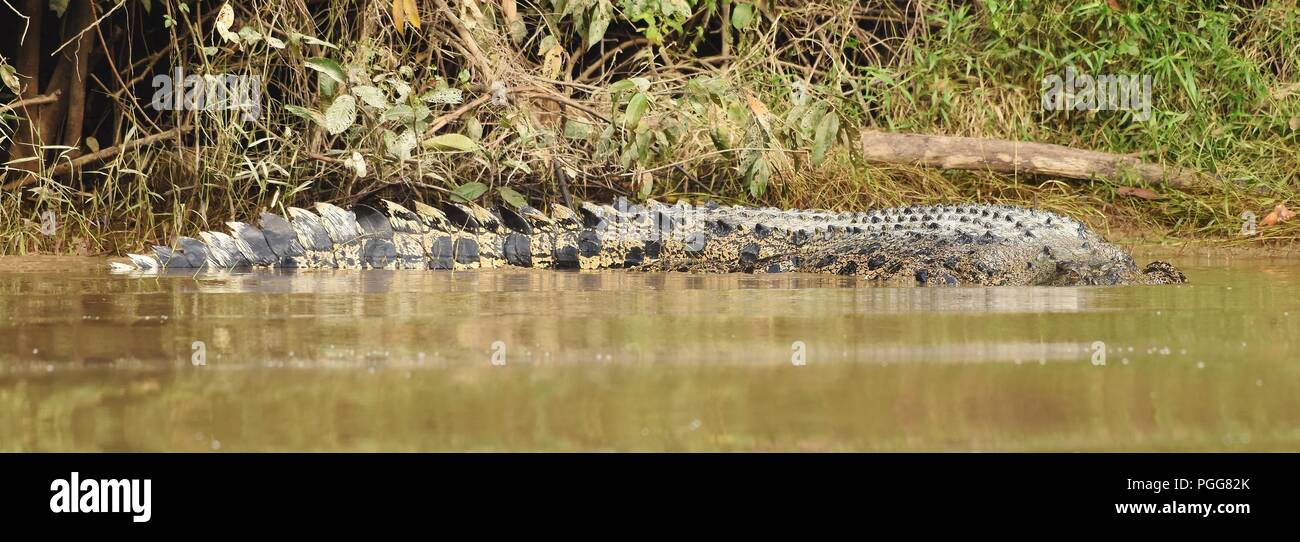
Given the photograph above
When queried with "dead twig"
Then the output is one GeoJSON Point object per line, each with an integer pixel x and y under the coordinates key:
{"type": "Point", "coordinates": [591, 69]}
{"type": "Point", "coordinates": [535, 92]}
{"type": "Point", "coordinates": [88, 27]}
{"type": "Point", "coordinates": [38, 100]}
{"type": "Point", "coordinates": [444, 120]}
{"type": "Point", "coordinates": [94, 157]}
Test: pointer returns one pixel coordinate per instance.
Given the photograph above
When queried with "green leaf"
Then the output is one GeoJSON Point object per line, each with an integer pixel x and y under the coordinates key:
{"type": "Point", "coordinates": [401, 113]}
{"type": "Point", "coordinates": [643, 146]}
{"type": "Point", "coordinates": [372, 96]}
{"type": "Point", "coordinates": [721, 140]}
{"type": "Point", "coordinates": [596, 28]}
{"type": "Point", "coordinates": [399, 146]}
{"type": "Point", "coordinates": [328, 67]}
{"type": "Point", "coordinates": [635, 109]}
{"type": "Point", "coordinates": [357, 163]}
{"type": "Point", "coordinates": [473, 128]}
{"type": "Point", "coordinates": [249, 35]}
{"type": "Point", "coordinates": [738, 113]}
{"type": "Point", "coordinates": [811, 119]}
{"type": "Point", "coordinates": [451, 142]}
{"type": "Point", "coordinates": [576, 129]}
{"type": "Point", "coordinates": [341, 114]}
{"type": "Point", "coordinates": [327, 85]}
{"type": "Point", "coordinates": [295, 38]}
{"type": "Point", "coordinates": [653, 34]}
{"type": "Point", "coordinates": [546, 44]}
{"type": "Point", "coordinates": [226, 18]}
{"type": "Point", "coordinates": [468, 192]}
{"type": "Point", "coordinates": [741, 15]}
{"type": "Point", "coordinates": [402, 88]}
{"type": "Point", "coordinates": [628, 155]}
{"type": "Point", "coordinates": [512, 197]}
{"type": "Point", "coordinates": [309, 114]}
{"type": "Point", "coordinates": [421, 112]}
{"type": "Point", "coordinates": [516, 165]}
{"type": "Point", "coordinates": [827, 129]}
{"type": "Point", "coordinates": [758, 177]}
{"type": "Point", "coordinates": [623, 85]}
{"type": "Point", "coordinates": [59, 6]}
{"type": "Point", "coordinates": [647, 185]}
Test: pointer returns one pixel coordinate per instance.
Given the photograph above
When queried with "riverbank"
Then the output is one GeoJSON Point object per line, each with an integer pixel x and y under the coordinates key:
{"type": "Point", "coordinates": [755, 103]}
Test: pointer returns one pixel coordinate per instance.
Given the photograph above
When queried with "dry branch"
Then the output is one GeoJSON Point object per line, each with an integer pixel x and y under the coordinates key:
{"type": "Point", "coordinates": [472, 50]}
{"type": "Point", "coordinates": [1003, 156]}
{"type": "Point", "coordinates": [38, 100]}
{"type": "Point", "coordinates": [84, 160]}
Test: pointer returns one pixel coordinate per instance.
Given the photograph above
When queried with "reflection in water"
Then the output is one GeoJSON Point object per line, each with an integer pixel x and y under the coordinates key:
{"type": "Point", "coordinates": [401, 360]}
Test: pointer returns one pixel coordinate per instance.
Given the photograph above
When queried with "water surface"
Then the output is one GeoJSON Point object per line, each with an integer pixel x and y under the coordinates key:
{"type": "Point", "coordinates": [548, 360]}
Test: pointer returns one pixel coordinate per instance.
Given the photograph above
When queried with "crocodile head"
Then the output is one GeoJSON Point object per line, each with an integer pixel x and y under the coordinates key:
{"type": "Point", "coordinates": [1159, 272]}
{"type": "Point", "coordinates": [1117, 272]}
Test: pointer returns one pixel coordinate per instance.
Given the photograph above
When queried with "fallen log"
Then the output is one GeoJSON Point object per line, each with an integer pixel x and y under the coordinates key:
{"type": "Point", "coordinates": [1018, 157]}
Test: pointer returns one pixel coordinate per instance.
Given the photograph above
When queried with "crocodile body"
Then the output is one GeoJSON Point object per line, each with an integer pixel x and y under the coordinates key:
{"type": "Point", "coordinates": [944, 245]}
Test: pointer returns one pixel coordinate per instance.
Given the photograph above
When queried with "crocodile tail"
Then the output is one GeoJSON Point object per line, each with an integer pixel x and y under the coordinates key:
{"type": "Point", "coordinates": [252, 244]}
{"type": "Point", "coordinates": [309, 229]}
{"type": "Point", "coordinates": [393, 236]}
{"type": "Point", "coordinates": [283, 241]}
{"type": "Point", "coordinates": [344, 232]}
{"type": "Point", "coordinates": [409, 232]}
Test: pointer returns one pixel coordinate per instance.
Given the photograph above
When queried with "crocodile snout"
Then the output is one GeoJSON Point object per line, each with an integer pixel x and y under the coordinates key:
{"type": "Point", "coordinates": [1159, 272]}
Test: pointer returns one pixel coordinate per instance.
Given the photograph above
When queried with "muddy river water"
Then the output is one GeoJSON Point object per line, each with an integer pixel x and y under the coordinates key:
{"type": "Point", "coordinates": [550, 360]}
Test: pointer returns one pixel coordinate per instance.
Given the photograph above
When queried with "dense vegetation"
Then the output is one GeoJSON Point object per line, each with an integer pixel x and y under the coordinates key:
{"type": "Point", "coordinates": [734, 100]}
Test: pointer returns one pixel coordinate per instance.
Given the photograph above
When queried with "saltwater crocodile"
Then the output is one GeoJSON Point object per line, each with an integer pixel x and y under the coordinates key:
{"type": "Point", "coordinates": [940, 245]}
